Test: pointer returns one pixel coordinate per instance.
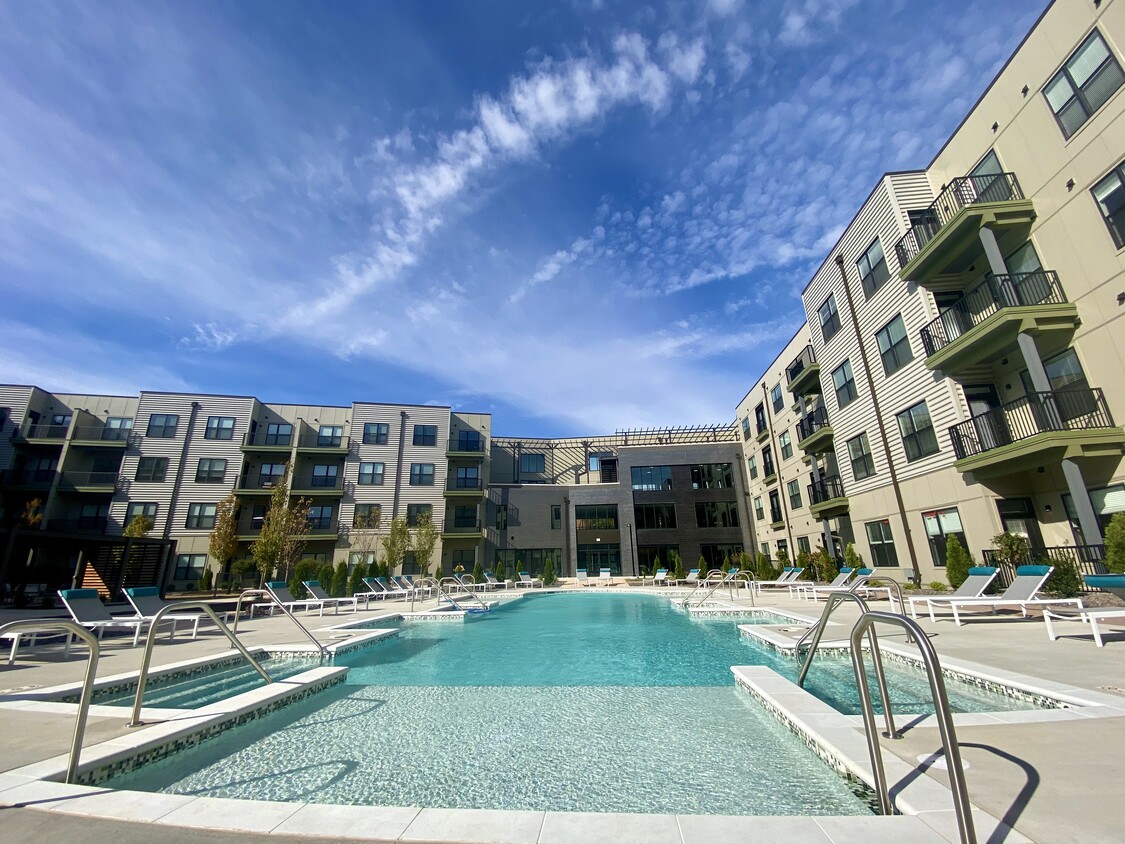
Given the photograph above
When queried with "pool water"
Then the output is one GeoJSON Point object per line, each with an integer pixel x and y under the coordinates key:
{"type": "Point", "coordinates": [571, 702]}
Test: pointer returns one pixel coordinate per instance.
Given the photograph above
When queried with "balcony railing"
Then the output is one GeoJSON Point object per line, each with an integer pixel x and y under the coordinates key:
{"type": "Point", "coordinates": [322, 441]}
{"type": "Point", "coordinates": [1088, 559]}
{"type": "Point", "coordinates": [462, 527]}
{"type": "Point", "coordinates": [262, 482]}
{"type": "Point", "coordinates": [1035, 413]}
{"type": "Point", "coordinates": [464, 483]}
{"type": "Point", "coordinates": [317, 482]}
{"type": "Point", "coordinates": [466, 445]}
{"type": "Point", "coordinates": [959, 194]}
{"type": "Point", "coordinates": [320, 530]}
{"type": "Point", "coordinates": [987, 298]}
{"type": "Point", "coordinates": [810, 423]}
{"type": "Point", "coordinates": [264, 438]}
{"type": "Point", "coordinates": [802, 362]}
{"type": "Point", "coordinates": [83, 524]}
{"type": "Point", "coordinates": [80, 479]}
{"type": "Point", "coordinates": [826, 489]}
{"type": "Point", "coordinates": [28, 477]}
{"type": "Point", "coordinates": [42, 431]}
{"type": "Point", "coordinates": [92, 433]}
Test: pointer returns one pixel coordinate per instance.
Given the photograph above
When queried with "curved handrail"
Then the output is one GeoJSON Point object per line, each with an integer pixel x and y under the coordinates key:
{"type": "Point", "coordinates": [950, 746]}
{"type": "Point", "coordinates": [423, 583]}
{"type": "Point", "coordinates": [448, 595]}
{"type": "Point", "coordinates": [71, 628]}
{"type": "Point", "coordinates": [142, 676]}
{"type": "Point", "coordinates": [817, 632]}
{"type": "Point", "coordinates": [729, 580]}
{"type": "Point", "coordinates": [265, 593]}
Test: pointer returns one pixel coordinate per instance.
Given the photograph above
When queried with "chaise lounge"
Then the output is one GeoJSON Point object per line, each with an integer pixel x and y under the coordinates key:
{"type": "Point", "coordinates": [1113, 583]}
{"type": "Point", "coordinates": [978, 580]}
{"type": "Point", "coordinates": [1020, 594]}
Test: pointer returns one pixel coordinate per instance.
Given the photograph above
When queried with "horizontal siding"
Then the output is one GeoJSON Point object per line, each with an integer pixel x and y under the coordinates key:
{"type": "Point", "coordinates": [16, 399]}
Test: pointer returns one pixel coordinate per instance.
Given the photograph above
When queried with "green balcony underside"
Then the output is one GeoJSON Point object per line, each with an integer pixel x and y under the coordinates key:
{"type": "Point", "coordinates": [778, 525]}
{"type": "Point", "coordinates": [807, 383]}
{"type": "Point", "coordinates": [318, 491]}
{"type": "Point", "coordinates": [120, 444]}
{"type": "Point", "coordinates": [956, 246]}
{"type": "Point", "coordinates": [771, 478]}
{"type": "Point", "coordinates": [464, 455]}
{"type": "Point", "coordinates": [1052, 326]}
{"type": "Point", "coordinates": [468, 535]}
{"type": "Point", "coordinates": [464, 493]}
{"type": "Point", "coordinates": [830, 508]}
{"type": "Point", "coordinates": [1047, 448]}
{"type": "Point", "coordinates": [764, 435]}
{"type": "Point", "coordinates": [270, 449]}
{"type": "Point", "coordinates": [818, 442]}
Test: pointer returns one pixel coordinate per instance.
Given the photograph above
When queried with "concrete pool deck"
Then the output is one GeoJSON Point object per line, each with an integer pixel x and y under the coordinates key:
{"type": "Point", "coordinates": [1045, 779]}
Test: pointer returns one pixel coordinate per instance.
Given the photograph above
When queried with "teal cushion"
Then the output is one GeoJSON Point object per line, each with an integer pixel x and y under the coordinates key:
{"type": "Point", "coordinates": [311, 583]}
{"type": "Point", "coordinates": [1037, 571]}
{"type": "Point", "coordinates": [983, 570]}
{"type": "Point", "coordinates": [143, 591]}
{"type": "Point", "coordinates": [75, 594]}
{"type": "Point", "coordinates": [274, 584]}
{"type": "Point", "coordinates": [1105, 581]}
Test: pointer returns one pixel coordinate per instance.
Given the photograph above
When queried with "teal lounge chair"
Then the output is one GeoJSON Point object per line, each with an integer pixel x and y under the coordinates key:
{"type": "Point", "coordinates": [1113, 583]}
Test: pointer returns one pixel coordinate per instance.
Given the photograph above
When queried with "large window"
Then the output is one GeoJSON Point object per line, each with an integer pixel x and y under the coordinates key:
{"type": "Point", "coordinates": [421, 474]}
{"type": "Point", "coordinates": [330, 436]}
{"type": "Point", "coordinates": [882, 544]}
{"type": "Point", "coordinates": [189, 566]}
{"type": "Point", "coordinates": [719, 554]}
{"type": "Point", "coordinates": [270, 474]}
{"type": "Point", "coordinates": [711, 514]}
{"type": "Point", "coordinates": [501, 516]}
{"type": "Point", "coordinates": [425, 435]}
{"type": "Point", "coordinates": [859, 450]}
{"type": "Point", "coordinates": [556, 516]}
{"type": "Point", "coordinates": [367, 516]}
{"type": "Point", "coordinates": [140, 508]}
{"type": "Point", "coordinates": [279, 433]}
{"type": "Point", "coordinates": [894, 347]}
{"type": "Point", "coordinates": [375, 433]}
{"type": "Point", "coordinates": [829, 318]}
{"type": "Point", "coordinates": [786, 443]}
{"type": "Point", "coordinates": [872, 268]}
{"type": "Point", "coordinates": [162, 425]}
{"type": "Point", "coordinates": [844, 382]}
{"type": "Point", "coordinates": [752, 464]}
{"type": "Point", "coordinates": [371, 474]}
{"type": "Point", "coordinates": [320, 517]}
{"type": "Point", "coordinates": [117, 428]}
{"type": "Point", "coordinates": [652, 477]}
{"type": "Point", "coordinates": [533, 463]}
{"type": "Point", "coordinates": [760, 418]}
{"type": "Point", "coordinates": [152, 470]}
{"type": "Point", "coordinates": [1065, 375]}
{"type": "Point", "coordinates": [1110, 196]}
{"type": "Point", "coordinates": [794, 489]}
{"type": "Point", "coordinates": [595, 517]}
{"type": "Point", "coordinates": [468, 477]}
{"type": "Point", "coordinates": [602, 555]}
{"type": "Point", "coordinates": [712, 476]}
{"type": "Point", "coordinates": [531, 560]}
{"type": "Point", "coordinates": [775, 506]}
{"type": "Point", "coordinates": [759, 513]}
{"type": "Point", "coordinates": [415, 512]}
{"type": "Point", "coordinates": [200, 517]}
{"type": "Point", "coordinates": [746, 432]}
{"type": "Point", "coordinates": [917, 429]}
{"type": "Point", "coordinates": [1083, 84]}
{"type": "Point", "coordinates": [470, 441]}
{"type": "Point", "coordinates": [767, 462]}
{"type": "Point", "coordinates": [219, 428]}
{"type": "Point", "coordinates": [655, 516]}
{"type": "Point", "coordinates": [211, 470]}
{"type": "Point", "coordinates": [777, 398]}
{"type": "Point", "coordinates": [940, 525]}
{"type": "Point", "coordinates": [325, 474]}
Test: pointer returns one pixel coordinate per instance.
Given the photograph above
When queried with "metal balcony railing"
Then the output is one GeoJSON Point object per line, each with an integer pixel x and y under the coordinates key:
{"type": "Point", "coordinates": [810, 423]}
{"type": "Point", "coordinates": [28, 477]}
{"type": "Point", "coordinates": [261, 482]}
{"type": "Point", "coordinates": [464, 483]}
{"type": "Point", "coordinates": [804, 360]}
{"type": "Point", "coordinates": [42, 431]}
{"type": "Point", "coordinates": [322, 441]}
{"type": "Point", "coordinates": [83, 524]}
{"type": "Point", "coordinates": [462, 527]}
{"type": "Point", "coordinates": [317, 482]}
{"type": "Point", "coordinates": [826, 489]}
{"type": "Point", "coordinates": [987, 298]}
{"type": "Point", "coordinates": [959, 194]}
{"type": "Point", "coordinates": [1035, 413]}
{"type": "Point", "coordinates": [77, 479]}
{"type": "Point", "coordinates": [101, 432]}
{"type": "Point", "coordinates": [466, 445]}
{"type": "Point", "coordinates": [260, 438]}
{"type": "Point", "coordinates": [1088, 559]}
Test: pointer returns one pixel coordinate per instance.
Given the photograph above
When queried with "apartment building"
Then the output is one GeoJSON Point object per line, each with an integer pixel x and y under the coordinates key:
{"type": "Point", "coordinates": [966, 331]}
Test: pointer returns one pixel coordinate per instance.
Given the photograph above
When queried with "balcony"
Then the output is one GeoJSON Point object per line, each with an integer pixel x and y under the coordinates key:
{"type": "Point", "coordinates": [814, 433]}
{"type": "Point", "coordinates": [99, 436]}
{"type": "Point", "coordinates": [803, 374]}
{"type": "Point", "coordinates": [763, 431]}
{"type": "Point", "coordinates": [472, 487]}
{"type": "Point", "coordinates": [462, 530]}
{"type": "Point", "coordinates": [317, 485]}
{"type": "Point", "coordinates": [323, 444]}
{"type": "Point", "coordinates": [83, 524]}
{"type": "Point", "coordinates": [1037, 429]}
{"type": "Point", "coordinates": [263, 485]}
{"type": "Point", "coordinates": [41, 433]}
{"type": "Point", "coordinates": [28, 478]}
{"type": "Point", "coordinates": [777, 522]}
{"type": "Point", "coordinates": [827, 499]}
{"type": "Point", "coordinates": [465, 448]}
{"type": "Point", "coordinates": [983, 325]}
{"type": "Point", "coordinates": [320, 530]}
{"type": "Point", "coordinates": [1087, 559]}
{"type": "Point", "coordinates": [99, 482]}
{"type": "Point", "coordinates": [265, 441]}
{"type": "Point", "coordinates": [945, 240]}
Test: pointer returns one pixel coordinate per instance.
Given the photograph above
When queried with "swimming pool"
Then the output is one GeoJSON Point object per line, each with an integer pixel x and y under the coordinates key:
{"type": "Point", "coordinates": [565, 702]}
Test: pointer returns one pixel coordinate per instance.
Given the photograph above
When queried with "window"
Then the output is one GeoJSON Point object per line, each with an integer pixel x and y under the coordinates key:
{"type": "Point", "coordinates": [1083, 84]}
{"type": "Point", "coordinates": [117, 428]}
{"type": "Point", "coordinates": [367, 516]}
{"type": "Point", "coordinates": [803, 544]}
{"type": "Point", "coordinates": [1073, 396]}
{"type": "Point", "coordinates": [760, 418]}
{"type": "Point", "coordinates": [465, 516]}
{"type": "Point", "coordinates": [470, 441]}
{"type": "Point", "coordinates": [794, 489]}
{"type": "Point", "coordinates": [940, 525]}
{"type": "Point", "coordinates": [468, 477]}
{"type": "Point", "coordinates": [719, 554]}
{"type": "Point", "coordinates": [759, 513]}
{"type": "Point", "coordinates": [882, 544]}
{"type": "Point", "coordinates": [531, 560]}
{"type": "Point", "coordinates": [162, 425]}
{"type": "Point", "coordinates": [1109, 193]}
{"type": "Point", "coordinates": [421, 474]}
{"type": "Point", "coordinates": [189, 566]}
{"type": "Point", "coordinates": [371, 474]}
{"type": "Point", "coordinates": [375, 433]}
{"type": "Point", "coordinates": [320, 517]}
{"type": "Point", "coordinates": [257, 517]}
{"type": "Point", "coordinates": [872, 268]}
{"type": "Point", "coordinates": [466, 558]}
{"type": "Point", "coordinates": [829, 319]}
{"type": "Point", "coordinates": [219, 428]}
{"type": "Point", "coordinates": [200, 517]}
{"type": "Point", "coordinates": [556, 516]}
{"type": "Point", "coordinates": [211, 470]}
{"type": "Point", "coordinates": [652, 477]}
{"type": "Point", "coordinates": [140, 508]}
{"type": "Point", "coordinates": [844, 382]}
{"type": "Point", "coordinates": [418, 512]}
{"type": "Point", "coordinates": [425, 435]}
{"type": "Point", "coordinates": [655, 516]}
{"type": "Point", "coordinates": [786, 443]}
{"type": "Point", "coordinates": [746, 428]}
{"type": "Point", "coordinates": [894, 347]}
{"type": "Point", "coordinates": [270, 474]}
{"type": "Point", "coordinates": [152, 470]}
{"type": "Point", "coordinates": [501, 516]}
{"type": "Point", "coordinates": [775, 506]}
{"type": "Point", "coordinates": [859, 450]}
{"type": "Point", "coordinates": [533, 463]}
{"type": "Point", "coordinates": [711, 514]}
{"type": "Point", "coordinates": [602, 555]}
{"type": "Point", "coordinates": [767, 463]}
{"type": "Point", "coordinates": [595, 517]}
{"type": "Point", "coordinates": [279, 433]}
{"type": "Point", "coordinates": [776, 398]}
{"type": "Point", "coordinates": [917, 429]}
{"type": "Point", "coordinates": [330, 436]}
{"type": "Point", "coordinates": [752, 463]}
{"type": "Point", "coordinates": [324, 475]}
{"type": "Point", "coordinates": [712, 476]}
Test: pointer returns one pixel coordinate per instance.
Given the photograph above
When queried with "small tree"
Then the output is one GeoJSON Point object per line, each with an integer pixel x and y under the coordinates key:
{"type": "Point", "coordinates": [1115, 544]}
{"type": "Point", "coordinates": [852, 558]}
{"type": "Point", "coordinates": [423, 542]}
{"type": "Point", "coordinates": [958, 561]}
{"type": "Point", "coordinates": [745, 562]}
{"type": "Point", "coordinates": [806, 561]}
{"type": "Point", "coordinates": [701, 564]}
{"type": "Point", "coordinates": [284, 533]}
{"type": "Point", "coordinates": [782, 558]}
{"type": "Point", "coordinates": [325, 573]}
{"type": "Point", "coordinates": [478, 573]}
{"type": "Point", "coordinates": [223, 543]}
{"type": "Point", "coordinates": [1012, 550]}
{"type": "Point", "coordinates": [763, 568]}
{"type": "Point", "coordinates": [1065, 581]}
{"type": "Point", "coordinates": [395, 544]}
{"type": "Point", "coordinates": [340, 580]}
{"type": "Point", "coordinates": [304, 570]}
{"type": "Point", "coordinates": [677, 564]}
{"type": "Point", "coordinates": [240, 568]}
{"type": "Point", "coordinates": [355, 579]}
{"type": "Point", "coordinates": [364, 536]}
{"type": "Point", "coordinates": [205, 580]}
{"type": "Point", "coordinates": [550, 578]}
{"type": "Point", "coordinates": [138, 526]}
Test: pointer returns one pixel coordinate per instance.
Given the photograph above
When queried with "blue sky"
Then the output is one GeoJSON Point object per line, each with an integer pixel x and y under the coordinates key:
{"type": "Point", "coordinates": [578, 217]}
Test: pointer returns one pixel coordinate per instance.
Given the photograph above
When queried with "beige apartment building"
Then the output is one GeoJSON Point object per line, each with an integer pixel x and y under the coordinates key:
{"type": "Point", "coordinates": [959, 370]}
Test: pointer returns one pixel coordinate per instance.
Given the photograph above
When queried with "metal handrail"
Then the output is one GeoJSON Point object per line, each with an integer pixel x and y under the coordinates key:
{"type": "Point", "coordinates": [265, 593]}
{"type": "Point", "coordinates": [142, 677]}
{"type": "Point", "coordinates": [423, 583]}
{"type": "Point", "coordinates": [71, 628]}
{"type": "Point", "coordinates": [449, 595]}
{"type": "Point", "coordinates": [817, 632]}
{"type": "Point", "coordinates": [941, 710]}
{"type": "Point", "coordinates": [728, 579]}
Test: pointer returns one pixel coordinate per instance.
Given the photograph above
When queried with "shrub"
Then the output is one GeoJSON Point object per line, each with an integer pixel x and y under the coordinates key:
{"type": "Point", "coordinates": [304, 570]}
{"type": "Point", "coordinates": [355, 581]}
{"type": "Point", "coordinates": [478, 573]}
{"type": "Point", "coordinates": [805, 560]}
{"type": "Point", "coordinates": [701, 564]}
{"type": "Point", "coordinates": [852, 558]}
{"type": "Point", "coordinates": [324, 574]}
{"type": "Point", "coordinates": [1115, 544]}
{"type": "Point", "coordinates": [339, 580]}
{"type": "Point", "coordinates": [677, 564]}
{"type": "Point", "coordinates": [549, 575]}
{"type": "Point", "coordinates": [1065, 581]}
{"type": "Point", "coordinates": [936, 585]}
{"type": "Point", "coordinates": [763, 568]}
{"type": "Point", "coordinates": [958, 561]}
{"type": "Point", "coordinates": [824, 565]}
{"type": "Point", "coordinates": [205, 581]}
{"type": "Point", "coordinates": [911, 586]}
{"type": "Point", "coordinates": [655, 566]}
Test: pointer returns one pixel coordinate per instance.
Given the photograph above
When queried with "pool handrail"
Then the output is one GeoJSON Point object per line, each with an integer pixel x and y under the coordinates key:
{"type": "Point", "coordinates": [942, 712]}
{"type": "Point", "coordinates": [448, 595]}
{"type": "Point", "coordinates": [729, 579]}
{"type": "Point", "coordinates": [271, 598]}
{"type": "Point", "coordinates": [70, 628]}
{"type": "Point", "coordinates": [142, 676]}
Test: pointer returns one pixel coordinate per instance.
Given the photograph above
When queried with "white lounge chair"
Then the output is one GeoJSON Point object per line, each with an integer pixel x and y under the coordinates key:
{"type": "Point", "coordinates": [390, 590]}
{"type": "Point", "coordinates": [1020, 594]}
{"type": "Point", "coordinates": [317, 591]}
{"type": "Point", "coordinates": [1114, 583]}
{"type": "Point", "coordinates": [528, 581]}
{"type": "Point", "coordinates": [86, 608]}
{"type": "Point", "coordinates": [692, 579]}
{"type": "Point", "coordinates": [978, 580]}
{"type": "Point", "coordinates": [788, 575]}
{"type": "Point", "coordinates": [605, 577]}
{"type": "Point", "coordinates": [279, 589]}
{"type": "Point", "coordinates": [147, 602]}
{"type": "Point", "coordinates": [582, 578]}
{"type": "Point", "coordinates": [372, 592]}
{"type": "Point", "coordinates": [806, 590]}
{"type": "Point", "coordinates": [661, 577]}
{"type": "Point", "coordinates": [492, 581]}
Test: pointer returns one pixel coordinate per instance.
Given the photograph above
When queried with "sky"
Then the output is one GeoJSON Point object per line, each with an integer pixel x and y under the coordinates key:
{"type": "Point", "coordinates": [579, 216]}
